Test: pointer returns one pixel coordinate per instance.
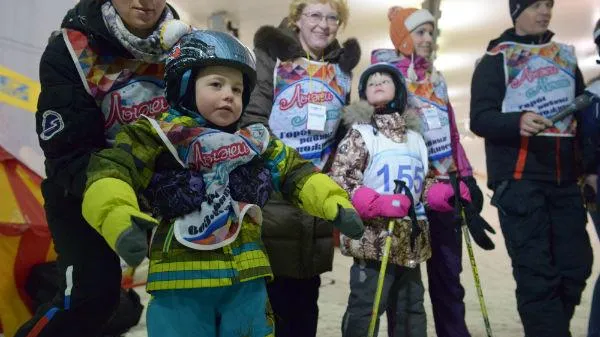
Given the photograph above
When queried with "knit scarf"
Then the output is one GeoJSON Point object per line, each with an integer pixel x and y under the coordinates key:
{"type": "Point", "coordinates": [147, 49]}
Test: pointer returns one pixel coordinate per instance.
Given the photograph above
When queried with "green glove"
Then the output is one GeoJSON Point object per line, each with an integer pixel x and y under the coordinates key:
{"type": "Point", "coordinates": [322, 197]}
{"type": "Point", "coordinates": [110, 206]}
{"type": "Point", "coordinates": [349, 223]}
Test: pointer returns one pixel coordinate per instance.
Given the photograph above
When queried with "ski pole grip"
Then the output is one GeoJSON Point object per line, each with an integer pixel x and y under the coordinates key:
{"type": "Point", "coordinates": [400, 185]}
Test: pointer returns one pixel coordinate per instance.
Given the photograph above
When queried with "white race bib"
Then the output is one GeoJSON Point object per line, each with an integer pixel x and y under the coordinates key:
{"type": "Point", "coordinates": [317, 117]}
{"type": "Point", "coordinates": [432, 118]}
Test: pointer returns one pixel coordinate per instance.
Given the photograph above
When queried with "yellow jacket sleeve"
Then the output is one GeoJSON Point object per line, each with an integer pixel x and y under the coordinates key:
{"type": "Point", "coordinates": [110, 207]}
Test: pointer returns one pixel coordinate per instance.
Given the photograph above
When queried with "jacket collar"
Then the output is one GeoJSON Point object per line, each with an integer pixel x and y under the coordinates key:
{"type": "Point", "coordinates": [282, 43]}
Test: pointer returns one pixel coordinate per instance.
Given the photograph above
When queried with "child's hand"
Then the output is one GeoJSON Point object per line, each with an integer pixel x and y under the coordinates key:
{"type": "Point", "coordinates": [320, 196]}
{"type": "Point", "coordinates": [132, 244]}
{"type": "Point", "coordinates": [440, 195]}
{"type": "Point", "coordinates": [340, 210]}
{"type": "Point", "coordinates": [371, 204]}
{"type": "Point", "coordinates": [110, 206]}
{"type": "Point", "coordinates": [349, 223]}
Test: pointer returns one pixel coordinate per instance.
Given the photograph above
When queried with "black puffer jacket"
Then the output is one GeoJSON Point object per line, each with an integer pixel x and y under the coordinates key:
{"type": "Point", "coordinates": [299, 245]}
{"type": "Point", "coordinates": [544, 158]}
{"type": "Point", "coordinates": [77, 129]}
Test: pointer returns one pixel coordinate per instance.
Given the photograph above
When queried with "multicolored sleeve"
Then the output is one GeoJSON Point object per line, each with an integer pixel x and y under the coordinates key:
{"type": "Point", "coordinates": [350, 162]}
{"type": "Point", "coordinates": [289, 171]}
{"type": "Point", "coordinates": [131, 159]}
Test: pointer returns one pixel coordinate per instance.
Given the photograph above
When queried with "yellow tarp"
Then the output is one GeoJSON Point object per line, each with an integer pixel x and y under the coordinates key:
{"type": "Point", "coordinates": [24, 239]}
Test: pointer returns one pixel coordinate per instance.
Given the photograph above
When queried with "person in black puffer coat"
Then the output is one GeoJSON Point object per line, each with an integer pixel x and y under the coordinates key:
{"type": "Point", "coordinates": [524, 80]}
{"type": "Point", "coordinates": [591, 167]}
{"type": "Point", "coordinates": [301, 65]}
{"type": "Point", "coordinates": [104, 69]}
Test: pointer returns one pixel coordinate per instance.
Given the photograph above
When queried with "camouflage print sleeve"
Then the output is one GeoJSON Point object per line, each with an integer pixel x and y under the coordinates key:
{"type": "Point", "coordinates": [350, 162]}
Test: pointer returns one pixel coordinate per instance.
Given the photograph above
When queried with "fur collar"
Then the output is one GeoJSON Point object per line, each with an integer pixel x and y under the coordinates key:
{"type": "Point", "coordinates": [361, 113]}
{"type": "Point", "coordinates": [282, 43]}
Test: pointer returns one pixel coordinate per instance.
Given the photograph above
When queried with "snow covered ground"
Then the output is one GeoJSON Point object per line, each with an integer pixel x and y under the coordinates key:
{"type": "Point", "coordinates": [496, 278]}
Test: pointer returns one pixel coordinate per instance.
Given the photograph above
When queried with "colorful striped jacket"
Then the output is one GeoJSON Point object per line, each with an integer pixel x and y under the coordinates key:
{"type": "Point", "coordinates": [138, 150]}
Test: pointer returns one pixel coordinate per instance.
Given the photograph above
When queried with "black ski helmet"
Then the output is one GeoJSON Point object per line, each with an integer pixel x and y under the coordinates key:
{"type": "Point", "coordinates": [400, 98]}
{"type": "Point", "coordinates": [203, 48]}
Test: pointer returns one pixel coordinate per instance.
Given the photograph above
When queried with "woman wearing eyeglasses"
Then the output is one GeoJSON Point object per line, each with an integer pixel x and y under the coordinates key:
{"type": "Point", "coordinates": [304, 80]}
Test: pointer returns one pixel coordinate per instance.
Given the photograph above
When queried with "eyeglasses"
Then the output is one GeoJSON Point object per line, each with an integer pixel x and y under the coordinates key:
{"type": "Point", "coordinates": [315, 18]}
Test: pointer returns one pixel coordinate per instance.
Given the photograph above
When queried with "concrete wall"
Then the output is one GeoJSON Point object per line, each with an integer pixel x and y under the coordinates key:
{"type": "Point", "coordinates": [24, 30]}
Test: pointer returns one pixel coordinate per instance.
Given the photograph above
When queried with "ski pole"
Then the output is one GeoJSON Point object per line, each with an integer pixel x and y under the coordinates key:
{"type": "Point", "coordinates": [386, 252]}
{"type": "Point", "coordinates": [461, 211]}
{"type": "Point", "coordinates": [486, 319]}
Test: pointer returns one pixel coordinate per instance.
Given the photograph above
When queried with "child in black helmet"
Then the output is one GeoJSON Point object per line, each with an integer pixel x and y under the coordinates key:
{"type": "Point", "coordinates": [205, 180]}
{"type": "Point", "coordinates": [381, 146]}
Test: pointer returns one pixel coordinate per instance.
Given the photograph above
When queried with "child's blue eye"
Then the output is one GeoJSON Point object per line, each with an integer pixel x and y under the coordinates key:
{"type": "Point", "coordinates": [238, 90]}
{"type": "Point", "coordinates": [216, 84]}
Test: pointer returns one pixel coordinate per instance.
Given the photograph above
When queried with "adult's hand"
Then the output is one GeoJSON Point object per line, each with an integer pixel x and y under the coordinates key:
{"type": "Point", "coordinates": [532, 123]}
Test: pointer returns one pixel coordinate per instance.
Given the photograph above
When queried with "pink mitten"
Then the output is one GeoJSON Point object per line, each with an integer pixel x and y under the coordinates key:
{"type": "Point", "coordinates": [362, 200]}
{"type": "Point", "coordinates": [439, 195]}
{"type": "Point", "coordinates": [370, 204]}
{"type": "Point", "coordinates": [392, 206]}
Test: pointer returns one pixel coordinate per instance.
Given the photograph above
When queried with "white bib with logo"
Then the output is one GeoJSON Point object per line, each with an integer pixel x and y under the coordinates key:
{"type": "Point", "coordinates": [389, 161]}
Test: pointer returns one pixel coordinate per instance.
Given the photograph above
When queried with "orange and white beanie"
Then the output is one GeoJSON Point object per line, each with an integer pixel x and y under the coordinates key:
{"type": "Point", "coordinates": [402, 22]}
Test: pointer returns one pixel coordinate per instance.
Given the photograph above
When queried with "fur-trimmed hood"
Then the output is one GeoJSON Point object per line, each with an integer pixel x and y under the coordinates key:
{"type": "Point", "coordinates": [361, 112]}
{"type": "Point", "coordinates": [282, 43]}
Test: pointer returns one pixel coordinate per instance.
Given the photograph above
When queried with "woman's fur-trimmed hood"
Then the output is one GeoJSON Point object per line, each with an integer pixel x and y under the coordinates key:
{"type": "Point", "coordinates": [361, 112]}
{"type": "Point", "coordinates": [282, 43]}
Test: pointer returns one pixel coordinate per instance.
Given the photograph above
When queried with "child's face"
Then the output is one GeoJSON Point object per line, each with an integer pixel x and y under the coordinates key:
{"type": "Point", "coordinates": [380, 89]}
{"type": "Point", "coordinates": [535, 19]}
{"type": "Point", "coordinates": [422, 38]}
{"type": "Point", "coordinates": [219, 92]}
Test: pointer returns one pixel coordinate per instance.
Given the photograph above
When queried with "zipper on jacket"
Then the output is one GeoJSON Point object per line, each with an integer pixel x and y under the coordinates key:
{"type": "Point", "coordinates": [168, 240]}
